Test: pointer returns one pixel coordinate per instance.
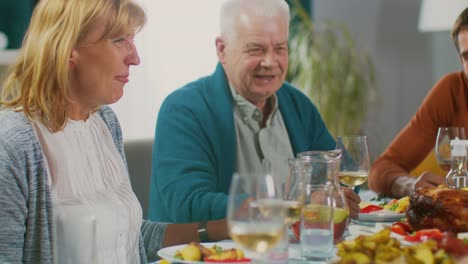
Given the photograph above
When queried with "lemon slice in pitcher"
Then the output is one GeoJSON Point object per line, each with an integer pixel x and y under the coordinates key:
{"type": "Point", "coordinates": [340, 215]}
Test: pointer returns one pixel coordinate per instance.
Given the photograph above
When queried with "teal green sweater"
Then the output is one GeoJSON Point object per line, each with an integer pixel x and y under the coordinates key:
{"type": "Point", "coordinates": [194, 152]}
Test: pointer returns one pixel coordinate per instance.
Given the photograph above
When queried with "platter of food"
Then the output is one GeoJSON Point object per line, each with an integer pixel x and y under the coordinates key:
{"type": "Point", "coordinates": [363, 249]}
{"type": "Point", "coordinates": [381, 216]}
{"type": "Point", "coordinates": [441, 207]}
{"type": "Point", "coordinates": [384, 212]}
{"type": "Point", "coordinates": [203, 253]}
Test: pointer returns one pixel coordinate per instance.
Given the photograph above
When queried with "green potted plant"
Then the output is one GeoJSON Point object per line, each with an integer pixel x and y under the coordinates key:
{"type": "Point", "coordinates": [328, 66]}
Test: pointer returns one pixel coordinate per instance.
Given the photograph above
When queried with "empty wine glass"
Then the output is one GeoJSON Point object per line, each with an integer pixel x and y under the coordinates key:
{"type": "Point", "coordinates": [442, 146]}
{"type": "Point", "coordinates": [256, 213]}
{"type": "Point", "coordinates": [355, 161]}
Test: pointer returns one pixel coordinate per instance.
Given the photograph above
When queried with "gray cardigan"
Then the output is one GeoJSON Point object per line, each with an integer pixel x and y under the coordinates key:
{"type": "Point", "coordinates": [25, 202]}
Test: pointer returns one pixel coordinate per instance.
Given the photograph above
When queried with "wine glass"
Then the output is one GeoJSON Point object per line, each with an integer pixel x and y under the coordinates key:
{"type": "Point", "coordinates": [442, 146]}
{"type": "Point", "coordinates": [256, 213]}
{"type": "Point", "coordinates": [355, 161]}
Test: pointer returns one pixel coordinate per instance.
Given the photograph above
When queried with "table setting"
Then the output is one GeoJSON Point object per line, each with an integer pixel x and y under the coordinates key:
{"type": "Point", "coordinates": [357, 228]}
{"type": "Point", "coordinates": [306, 218]}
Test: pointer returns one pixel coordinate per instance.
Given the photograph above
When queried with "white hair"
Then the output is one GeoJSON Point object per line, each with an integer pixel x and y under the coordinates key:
{"type": "Point", "coordinates": [233, 11]}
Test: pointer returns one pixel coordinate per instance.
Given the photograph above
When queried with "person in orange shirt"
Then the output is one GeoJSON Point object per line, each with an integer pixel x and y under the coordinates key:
{"type": "Point", "coordinates": [446, 105]}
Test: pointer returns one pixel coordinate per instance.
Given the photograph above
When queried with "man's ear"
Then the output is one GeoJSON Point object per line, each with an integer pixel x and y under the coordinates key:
{"type": "Point", "coordinates": [221, 49]}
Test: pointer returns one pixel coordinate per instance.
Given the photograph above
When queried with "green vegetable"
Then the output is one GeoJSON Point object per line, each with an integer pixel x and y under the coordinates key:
{"type": "Point", "coordinates": [218, 249]}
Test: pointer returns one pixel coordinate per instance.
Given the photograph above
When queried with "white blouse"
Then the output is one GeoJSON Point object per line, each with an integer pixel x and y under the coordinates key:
{"type": "Point", "coordinates": [88, 178]}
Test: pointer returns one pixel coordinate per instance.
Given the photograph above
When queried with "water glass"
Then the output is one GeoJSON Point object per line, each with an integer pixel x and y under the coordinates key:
{"type": "Point", "coordinates": [316, 238]}
{"type": "Point", "coordinates": [74, 237]}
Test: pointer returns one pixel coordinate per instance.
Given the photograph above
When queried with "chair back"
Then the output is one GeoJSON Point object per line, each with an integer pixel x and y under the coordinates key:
{"type": "Point", "coordinates": [139, 155]}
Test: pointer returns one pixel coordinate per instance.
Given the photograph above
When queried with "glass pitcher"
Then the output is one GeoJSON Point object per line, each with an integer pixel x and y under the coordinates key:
{"type": "Point", "coordinates": [322, 167]}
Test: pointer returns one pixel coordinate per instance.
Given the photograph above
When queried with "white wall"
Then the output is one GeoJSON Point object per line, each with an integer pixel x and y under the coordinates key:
{"type": "Point", "coordinates": [176, 46]}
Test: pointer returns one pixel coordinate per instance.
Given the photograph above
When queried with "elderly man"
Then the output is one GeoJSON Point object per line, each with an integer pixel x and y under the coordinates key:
{"type": "Point", "coordinates": [234, 120]}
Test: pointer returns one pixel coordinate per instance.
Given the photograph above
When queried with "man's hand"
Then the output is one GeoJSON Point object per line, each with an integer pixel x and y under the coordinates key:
{"type": "Point", "coordinates": [427, 179]}
{"type": "Point", "coordinates": [403, 185]}
{"type": "Point", "coordinates": [353, 202]}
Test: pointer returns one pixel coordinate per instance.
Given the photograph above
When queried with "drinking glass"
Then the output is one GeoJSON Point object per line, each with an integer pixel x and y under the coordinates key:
{"type": "Point", "coordinates": [317, 224]}
{"type": "Point", "coordinates": [74, 236]}
{"type": "Point", "coordinates": [442, 146]}
{"type": "Point", "coordinates": [256, 213]}
{"type": "Point", "coordinates": [321, 168]}
{"type": "Point", "coordinates": [355, 161]}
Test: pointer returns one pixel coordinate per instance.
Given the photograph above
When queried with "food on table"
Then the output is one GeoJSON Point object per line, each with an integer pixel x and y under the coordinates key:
{"type": "Point", "coordinates": [381, 248]}
{"type": "Point", "coordinates": [447, 240]}
{"type": "Point", "coordinates": [197, 252]}
{"type": "Point", "coordinates": [164, 261]}
{"type": "Point", "coordinates": [453, 245]}
{"type": "Point", "coordinates": [191, 252]}
{"type": "Point", "coordinates": [370, 208]}
{"type": "Point", "coordinates": [424, 234]}
{"type": "Point", "coordinates": [394, 206]}
{"type": "Point", "coordinates": [442, 207]}
{"type": "Point", "coordinates": [398, 205]}
{"type": "Point", "coordinates": [401, 228]}
{"type": "Point", "coordinates": [228, 254]}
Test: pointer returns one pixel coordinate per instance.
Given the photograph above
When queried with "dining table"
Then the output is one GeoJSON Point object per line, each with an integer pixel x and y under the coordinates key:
{"type": "Point", "coordinates": [355, 228]}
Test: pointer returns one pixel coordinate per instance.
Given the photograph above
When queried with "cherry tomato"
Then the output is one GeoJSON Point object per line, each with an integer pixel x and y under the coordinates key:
{"type": "Point", "coordinates": [405, 226]}
{"type": "Point", "coordinates": [433, 233]}
{"type": "Point", "coordinates": [424, 234]}
{"type": "Point", "coordinates": [398, 229]}
{"type": "Point", "coordinates": [412, 238]}
{"type": "Point", "coordinates": [370, 208]}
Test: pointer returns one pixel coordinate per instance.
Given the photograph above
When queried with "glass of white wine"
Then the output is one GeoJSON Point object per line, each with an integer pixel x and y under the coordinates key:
{"type": "Point", "coordinates": [442, 145]}
{"type": "Point", "coordinates": [256, 213]}
{"type": "Point", "coordinates": [355, 160]}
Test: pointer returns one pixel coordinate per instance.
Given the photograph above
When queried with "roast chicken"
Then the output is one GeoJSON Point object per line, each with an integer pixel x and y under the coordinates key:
{"type": "Point", "coordinates": [441, 207]}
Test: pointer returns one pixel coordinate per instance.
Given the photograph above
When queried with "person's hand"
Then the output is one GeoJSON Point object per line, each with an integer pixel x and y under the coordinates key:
{"type": "Point", "coordinates": [427, 179]}
{"type": "Point", "coordinates": [353, 202]}
{"type": "Point", "coordinates": [403, 185]}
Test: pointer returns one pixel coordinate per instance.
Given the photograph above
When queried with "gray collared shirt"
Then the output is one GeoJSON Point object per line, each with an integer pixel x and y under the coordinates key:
{"type": "Point", "coordinates": [257, 146]}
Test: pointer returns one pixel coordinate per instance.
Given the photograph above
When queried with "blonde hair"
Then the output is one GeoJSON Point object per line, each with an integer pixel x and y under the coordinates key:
{"type": "Point", "coordinates": [38, 83]}
{"type": "Point", "coordinates": [233, 11]}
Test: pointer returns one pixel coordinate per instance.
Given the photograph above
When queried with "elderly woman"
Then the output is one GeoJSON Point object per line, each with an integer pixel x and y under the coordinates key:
{"type": "Point", "coordinates": [61, 148]}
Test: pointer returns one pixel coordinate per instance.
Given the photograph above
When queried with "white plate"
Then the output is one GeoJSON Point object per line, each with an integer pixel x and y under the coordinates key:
{"type": "Point", "coordinates": [169, 252]}
{"type": "Point", "coordinates": [381, 217]}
